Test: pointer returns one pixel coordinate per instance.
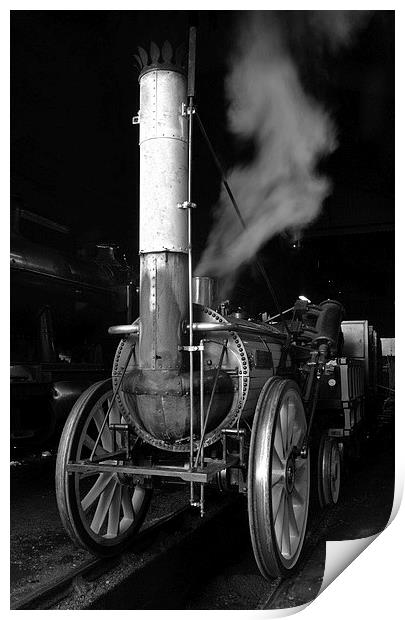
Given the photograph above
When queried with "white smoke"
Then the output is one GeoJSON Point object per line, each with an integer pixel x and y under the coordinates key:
{"type": "Point", "coordinates": [280, 188]}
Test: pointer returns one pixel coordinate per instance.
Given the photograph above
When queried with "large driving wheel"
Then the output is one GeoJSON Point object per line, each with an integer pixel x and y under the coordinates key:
{"type": "Point", "coordinates": [101, 511]}
{"type": "Point", "coordinates": [278, 481]}
{"type": "Point", "coordinates": [329, 471]}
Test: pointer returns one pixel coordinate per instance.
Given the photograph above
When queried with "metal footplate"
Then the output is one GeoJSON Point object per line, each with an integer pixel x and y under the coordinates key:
{"type": "Point", "coordinates": [202, 475]}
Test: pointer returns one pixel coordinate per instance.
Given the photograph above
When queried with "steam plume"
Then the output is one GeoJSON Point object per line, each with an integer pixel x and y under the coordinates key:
{"type": "Point", "coordinates": [279, 188]}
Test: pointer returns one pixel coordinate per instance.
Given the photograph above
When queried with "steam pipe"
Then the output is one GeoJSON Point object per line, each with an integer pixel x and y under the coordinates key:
{"type": "Point", "coordinates": [190, 273]}
{"type": "Point", "coordinates": [237, 327]}
{"type": "Point", "coordinates": [190, 111]}
{"type": "Point", "coordinates": [280, 314]}
{"type": "Point", "coordinates": [201, 448]}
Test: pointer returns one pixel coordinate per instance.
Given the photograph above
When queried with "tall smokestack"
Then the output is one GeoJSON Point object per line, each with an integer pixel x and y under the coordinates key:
{"type": "Point", "coordinates": [157, 386]}
{"type": "Point", "coordinates": [163, 226]}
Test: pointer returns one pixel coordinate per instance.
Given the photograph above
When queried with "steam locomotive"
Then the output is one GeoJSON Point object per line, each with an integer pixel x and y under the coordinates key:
{"type": "Point", "coordinates": [201, 395]}
{"type": "Point", "coordinates": [61, 305]}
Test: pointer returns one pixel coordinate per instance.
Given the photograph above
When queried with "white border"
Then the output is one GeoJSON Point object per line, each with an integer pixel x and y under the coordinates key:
{"type": "Point", "coordinates": [372, 586]}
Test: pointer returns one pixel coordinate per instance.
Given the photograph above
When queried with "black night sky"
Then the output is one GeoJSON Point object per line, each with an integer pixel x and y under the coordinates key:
{"type": "Point", "coordinates": [74, 151]}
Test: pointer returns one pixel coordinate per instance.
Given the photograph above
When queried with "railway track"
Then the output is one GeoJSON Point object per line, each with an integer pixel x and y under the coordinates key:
{"type": "Point", "coordinates": [47, 597]}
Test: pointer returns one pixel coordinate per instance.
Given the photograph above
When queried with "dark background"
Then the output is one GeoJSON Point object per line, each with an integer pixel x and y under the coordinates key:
{"type": "Point", "coordinates": [74, 152]}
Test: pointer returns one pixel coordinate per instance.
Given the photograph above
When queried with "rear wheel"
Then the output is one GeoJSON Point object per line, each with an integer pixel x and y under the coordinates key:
{"type": "Point", "coordinates": [329, 471]}
{"type": "Point", "coordinates": [101, 511]}
{"type": "Point", "coordinates": [278, 484]}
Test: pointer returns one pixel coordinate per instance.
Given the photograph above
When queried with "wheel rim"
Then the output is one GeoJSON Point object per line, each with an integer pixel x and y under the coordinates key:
{"type": "Point", "coordinates": [289, 478]}
{"type": "Point", "coordinates": [108, 504]}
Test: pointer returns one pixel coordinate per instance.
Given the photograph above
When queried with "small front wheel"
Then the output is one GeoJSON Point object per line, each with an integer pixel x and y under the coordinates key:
{"type": "Point", "coordinates": [101, 511]}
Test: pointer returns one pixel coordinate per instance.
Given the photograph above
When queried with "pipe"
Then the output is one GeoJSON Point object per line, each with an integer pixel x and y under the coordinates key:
{"type": "Point", "coordinates": [190, 112]}
{"type": "Point", "coordinates": [201, 448]}
{"type": "Point", "coordinates": [123, 330]}
{"type": "Point", "coordinates": [204, 291]}
{"type": "Point", "coordinates": [236, 327]}
{"type": "Point", "coordinates": [280, 314]}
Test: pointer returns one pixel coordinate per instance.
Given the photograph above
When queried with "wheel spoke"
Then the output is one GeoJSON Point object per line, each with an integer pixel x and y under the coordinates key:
{"type": "Point", "coordinates": [287, 431]}
{"type": "Point", "coordinates": [277, 495]}
{"type": "Point", "coordinates": [279, 517]}
{"type": "Point", "coordinates": [137, 498]}
{"type": "Point", "coordinates": [277, 478]}
{"type": "Point", "coordinates": [301, 471]}
{"type": "Point", "coordinates": [103, 505]}
{"type": "Point", "coordinates": [285, 540]}
{"type": "Point", "coordinates": [292, 519]}
{"type": "Point", "coordinates": [291, 422]}
{"type": "Point", "coordinates": [106, 435]}
{"type": "Point", "coordinates": [278, 440]}
{"type": "Point", "coordinates": [114, 513]}
{"type": "Point", "coordinates": [90, 443]}
{"type": "Point", "coordinates": [86, 474]}
{"type": "Point", "coordinates": [98, 487]}
{"type": "Point", "coordinates": [283, 415]}
{"type": "Point", "coordinates": [115, 418]}
{"type": "Point", "coordinates": [277, 463]}
{"type": "Point", "coordinates": [298, 434]}
{"type": "Point", "coordinates": [299, 499]}
{"type": "Point", "coordinates": [127, 509]}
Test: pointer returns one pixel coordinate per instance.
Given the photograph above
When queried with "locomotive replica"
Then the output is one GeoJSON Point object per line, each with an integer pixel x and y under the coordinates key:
{"type": "Point", "coordinates": [61, 306]}
{"type": "Point", "coordinates": [202, 396]}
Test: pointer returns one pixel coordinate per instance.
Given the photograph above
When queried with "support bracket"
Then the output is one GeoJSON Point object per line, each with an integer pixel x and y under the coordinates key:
{"type": "Point", "coordinates": [186, 205]}
{"type": "Point", "coordinates": [187, 110]}
{"type": "Point", "coordinates": [199, 347]}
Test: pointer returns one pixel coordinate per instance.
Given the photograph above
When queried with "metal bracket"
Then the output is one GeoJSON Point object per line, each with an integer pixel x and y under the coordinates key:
{"type": "Point", "coordinates": [136, 119]}
{"type": "Point", "coordinates": [187, 110]}
{"type": "Point", "coordinates": [186, 205]}
{"type": "Point", "coordinates": [199, 347]}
